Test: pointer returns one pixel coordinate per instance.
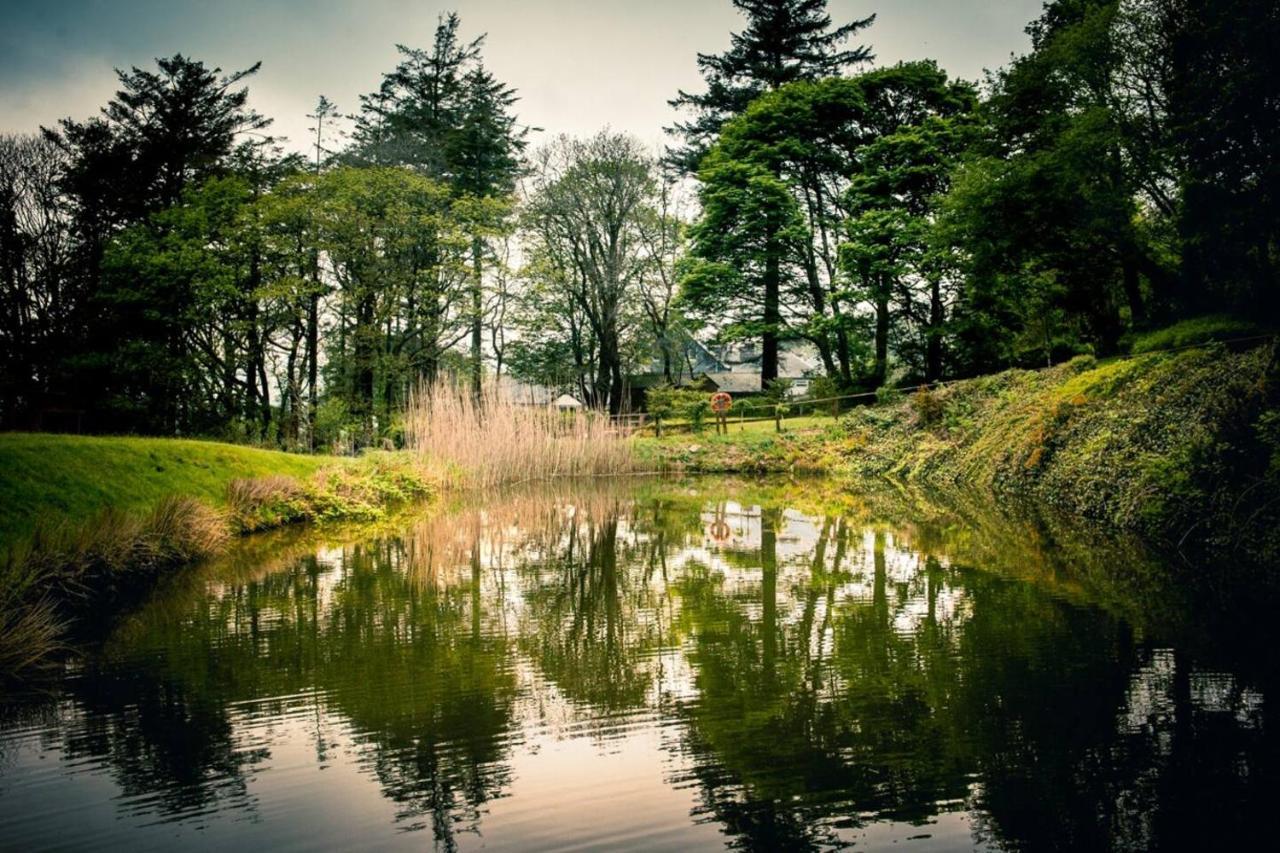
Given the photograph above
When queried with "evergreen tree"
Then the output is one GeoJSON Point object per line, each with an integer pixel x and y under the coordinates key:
{"type": "Point", "coordinates": [444, 114]}
{"type": "Point", "coordinates": [163, 136]}
{"type": "Point", "coordinates": [410, 120]}
{"type": "Point", "coordinates": [784, 41]}
{"type": "Point", "coordinates": [487, 150]}
{"type": "Point", "coordinates": [1224, 102]}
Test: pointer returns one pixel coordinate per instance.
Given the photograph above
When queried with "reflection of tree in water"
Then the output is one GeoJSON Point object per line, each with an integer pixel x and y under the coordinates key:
{"type": "Point", "coordinates": [840, 672]}
{"type": "Point", "coordinates": [172, 749]}
{"type": "Point", "coordinates": [593, 616]}
{"type": "Point", "coordinates": [881, 684]}
{"type": "Point", "coordinates": [428, 698]}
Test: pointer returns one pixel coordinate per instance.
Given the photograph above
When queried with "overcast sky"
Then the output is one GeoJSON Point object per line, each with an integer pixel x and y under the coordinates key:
{"type": "Point", "coordinates": [578, 64]}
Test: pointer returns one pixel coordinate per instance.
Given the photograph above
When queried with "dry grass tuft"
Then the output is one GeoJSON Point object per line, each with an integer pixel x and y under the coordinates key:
{"type": "Point", "coordinates": [494, 441]}
{"type": "Point", "coordinates": [64, 568]}
{"type": "Point", "coordinates": [261, 503]}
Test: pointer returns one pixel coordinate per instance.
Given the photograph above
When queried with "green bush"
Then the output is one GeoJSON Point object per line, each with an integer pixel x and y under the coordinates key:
{"type": "Point", "coordinates": [887, 395]}
{"type": "Point", "coordinates": [665, 403]}
{"type": "Point", "coordinates": [927, 406]}
{"type": "Point", "coordinates": [1082, 363]}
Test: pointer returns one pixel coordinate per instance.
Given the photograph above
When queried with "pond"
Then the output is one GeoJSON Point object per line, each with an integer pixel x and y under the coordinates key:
{"type": "Point", "coordinates": [662, 665]}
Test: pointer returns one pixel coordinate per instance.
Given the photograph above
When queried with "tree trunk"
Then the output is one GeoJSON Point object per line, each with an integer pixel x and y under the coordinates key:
{"type": "Point", "coordinates": [363, 351]}
{"type": "Point", "coordinates": [477, 299]}
{"type": "Point", "coordinates": [882, 334]}
{"type": "Point", "coordinates": [933, 351]}
{"type": "Point", "coordinates": [772, 314]}
{"type": "Point", "coordinates": [313, 360]}
{"type": "Point", "coordinates": [1133, 293]}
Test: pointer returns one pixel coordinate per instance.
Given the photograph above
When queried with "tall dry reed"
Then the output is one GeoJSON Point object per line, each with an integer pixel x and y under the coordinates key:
{"type": "Point", "coordinates": [493, 440]}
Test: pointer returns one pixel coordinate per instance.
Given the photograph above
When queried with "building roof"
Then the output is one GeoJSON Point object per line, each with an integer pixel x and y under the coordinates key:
{"type": "Point", "coordinates": [735, 383]}
{"type": "Point", "coordinates": [566, 401]}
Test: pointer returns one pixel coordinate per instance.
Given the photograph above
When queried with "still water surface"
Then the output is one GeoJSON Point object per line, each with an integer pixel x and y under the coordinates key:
{"type": "Point", "coordinates": [663, 666]}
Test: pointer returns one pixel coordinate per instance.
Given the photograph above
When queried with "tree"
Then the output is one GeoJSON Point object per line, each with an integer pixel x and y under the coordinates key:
{"type": "Point", "coordinates": [776, 197]}
{"type": "Point", "coordinates": [584, 218]}
{"type": "Point", "coordinates": [1223, 88]}
{"type": "Point", "coordinates": [409, 120]}
{"type": "Point", "coordinates": [444, 114]}
{"type": "Point", "coordinates": [162, 132]}
{"type": "Point", "coordinates": [488, 150]}
{"type": "Point", "coordinates": [41, 308]}
{"type": "Point", "coordinates": [1069, 181]}
{"type": "Point", "coordinates": [664, 233]}
{"type": "Point", "coordinates": [396, 248]}
{"type": "Point", "coordinates": [749, 224]}
{"type": "Point", "coordinates": [164, 135]}
{"type": "Point", "coordinates": [784, 41]}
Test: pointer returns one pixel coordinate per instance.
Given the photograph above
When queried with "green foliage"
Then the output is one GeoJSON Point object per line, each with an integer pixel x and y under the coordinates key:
{"type": "Point", "coordinates": [928, 407]}
{"type": "Point", "coordinates": [888, 395]}
{"type": "Point", "coordinates": [777, 391]}
{"type": "Point", "coordinates": [824, 387]}
{"type": "Point", "coordinates": [784, 41]}
{"type": "Point", "coordinates": [1184, 448]}
{"type": "Point", "coordinates": [1196, 330]}
{"type": "Point", "coordinates": [668, 403]}
{"type": "Point", "coordinates": [1082, 364]}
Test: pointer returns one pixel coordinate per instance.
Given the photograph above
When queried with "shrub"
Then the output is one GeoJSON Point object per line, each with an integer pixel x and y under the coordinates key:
{"type": "Point", "coordinates": [928, 407]}
{"type": "Point", "coordinates": [887, 395]}
{"type": "Point", "coordinates": [666, 403]}
{"type": "Point", "coordinates": [1082, 363]}
{"type": "Point", "coordinates": [825, 388]}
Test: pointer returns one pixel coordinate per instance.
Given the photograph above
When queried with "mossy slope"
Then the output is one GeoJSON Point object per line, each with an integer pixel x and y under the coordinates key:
{"type": "Point", "coordinates": [1182, 447]}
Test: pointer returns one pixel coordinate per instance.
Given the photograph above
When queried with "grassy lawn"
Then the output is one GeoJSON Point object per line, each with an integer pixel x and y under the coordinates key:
{"type": "Point", "coordinates": [51, 478]}
{"type": "Point", "coordinates": [800, 423]}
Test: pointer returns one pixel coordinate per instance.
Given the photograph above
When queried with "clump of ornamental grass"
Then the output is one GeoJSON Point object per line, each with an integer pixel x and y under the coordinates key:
{"type": "Point", "coordinates": [30, 627]}
{"type": "Point", "coordinates": [261, 503]}
{"type": "Point", "coordinates": [490, 440]}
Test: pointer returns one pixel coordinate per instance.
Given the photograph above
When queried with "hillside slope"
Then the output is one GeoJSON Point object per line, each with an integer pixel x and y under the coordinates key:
{"type": "Point", "coordinates": [1182, 447]}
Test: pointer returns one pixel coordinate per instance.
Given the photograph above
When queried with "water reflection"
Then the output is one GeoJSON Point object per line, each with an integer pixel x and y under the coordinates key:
{"type": "Point", "coordinates": [664, 665]}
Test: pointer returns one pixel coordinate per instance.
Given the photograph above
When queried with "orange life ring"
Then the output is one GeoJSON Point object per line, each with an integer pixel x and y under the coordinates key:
{"type": "Point", "coordinates": [721, 402]}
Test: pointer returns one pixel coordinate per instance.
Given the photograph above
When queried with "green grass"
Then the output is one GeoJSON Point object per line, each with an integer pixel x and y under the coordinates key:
{"type": "Point", "coordinates": [88, 522]}
{"type": "Point", "coordinates": [49, 479]}
{"type": "Point", "coordinates": [799, 423]}
{"type": "Point", "coordinates": [1197, 330]}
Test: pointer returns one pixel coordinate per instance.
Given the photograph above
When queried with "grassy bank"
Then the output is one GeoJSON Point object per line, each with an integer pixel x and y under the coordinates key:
{"type": "Point", "coordinates": [47, 480]}
{"type": "Point", "coordinates": [89, 522]}
{"type": "Point", "coordinates": [1181, 447]}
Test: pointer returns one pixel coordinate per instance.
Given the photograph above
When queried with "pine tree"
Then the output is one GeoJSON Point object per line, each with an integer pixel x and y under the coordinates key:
{"type": "Point", "coordinates": [784, 41]}
{"type": "Point", "coordinates": [486, 153]}
{"type": "Point", "coordinates": [442, 113]}
{"type": "Point", "coordinates": [418, 106]}
{"type": "Point", "coordinates": [161, 138]}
